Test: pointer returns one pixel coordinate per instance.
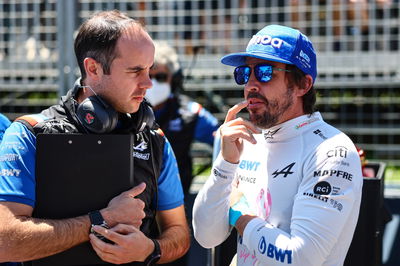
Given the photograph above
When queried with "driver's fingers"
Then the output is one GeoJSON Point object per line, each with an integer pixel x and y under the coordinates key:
{"type": "Point", "coordinates": [240, 132]}
{"type": "Point", "coordinates": [234, 110]}
{"type": "Point", "coordinates": [240, 121]}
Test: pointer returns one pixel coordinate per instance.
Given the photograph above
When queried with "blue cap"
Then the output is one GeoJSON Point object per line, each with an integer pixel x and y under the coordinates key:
{"type": "Point", "coordinates": [280, 44]}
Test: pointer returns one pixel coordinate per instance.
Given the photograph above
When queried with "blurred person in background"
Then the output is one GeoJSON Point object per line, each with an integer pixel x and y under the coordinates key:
{"type": "Point", "coordinates": [182, 120]}
{"type": "Point", "coordinates": [287, 181]}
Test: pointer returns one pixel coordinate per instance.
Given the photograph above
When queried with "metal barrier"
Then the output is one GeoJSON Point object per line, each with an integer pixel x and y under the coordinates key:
{"type": "Point", "coordinates": [366, 246]}
{"type": "Point", "coordinates": [357, 42]}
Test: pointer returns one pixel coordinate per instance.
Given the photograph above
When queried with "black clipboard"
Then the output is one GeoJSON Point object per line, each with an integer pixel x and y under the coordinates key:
{"type": "Point", "coordinates": [78, 173]}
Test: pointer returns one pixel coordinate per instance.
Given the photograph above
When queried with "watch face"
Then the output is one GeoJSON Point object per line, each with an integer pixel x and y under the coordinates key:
{"type": "Point", "coordinates": [99, 236]}
{"type": "Point", "coordinates": [97, 219]}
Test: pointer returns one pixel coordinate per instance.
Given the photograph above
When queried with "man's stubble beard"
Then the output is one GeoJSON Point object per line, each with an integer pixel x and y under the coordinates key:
{"type": "Point", "coordinates": [274, 112]}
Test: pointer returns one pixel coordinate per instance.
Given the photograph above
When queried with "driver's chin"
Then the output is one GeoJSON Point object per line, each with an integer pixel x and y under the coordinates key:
{"type": "Point", "coordinates": [255, 118]}
{"type": "Point", "coordinates": [257, 112]}
{"type": "Point", "coordinates": [262, 119]}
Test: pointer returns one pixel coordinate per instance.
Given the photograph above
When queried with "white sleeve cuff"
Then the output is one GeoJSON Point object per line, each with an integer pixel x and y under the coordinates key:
{"type": "Point", "coordinates": [223, 169]}
{"type": "Point", "coordinates": [254, 224]}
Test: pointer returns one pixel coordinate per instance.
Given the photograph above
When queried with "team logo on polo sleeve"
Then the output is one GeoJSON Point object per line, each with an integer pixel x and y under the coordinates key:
{"type": "Point", "coordinates": [322, 188]}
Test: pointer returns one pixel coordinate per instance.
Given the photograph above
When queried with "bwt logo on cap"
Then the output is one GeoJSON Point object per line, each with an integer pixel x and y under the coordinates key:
{"type": "Point", "coordinates": [304, 56]}
{"type": "Point", "coordinates": [266, 40]}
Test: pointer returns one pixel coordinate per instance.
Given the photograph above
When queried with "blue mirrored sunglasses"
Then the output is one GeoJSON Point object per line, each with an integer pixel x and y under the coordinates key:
{"type": "Point", "coordinates": [262, 72]}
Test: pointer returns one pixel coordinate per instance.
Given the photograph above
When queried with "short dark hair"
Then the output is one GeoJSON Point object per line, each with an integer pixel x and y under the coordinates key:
{"type": "Point", "coordinates": [297, 77]}
{"type": "Point", "coordinates": [98, 36]}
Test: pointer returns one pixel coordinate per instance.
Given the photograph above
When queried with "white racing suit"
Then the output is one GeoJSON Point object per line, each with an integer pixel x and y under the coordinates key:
{"type": "Point", "coordinates": [303, 180]}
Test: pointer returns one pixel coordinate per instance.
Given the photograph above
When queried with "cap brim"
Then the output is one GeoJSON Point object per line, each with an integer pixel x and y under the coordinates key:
{"type": "Point", "coordinates": [239, 59]}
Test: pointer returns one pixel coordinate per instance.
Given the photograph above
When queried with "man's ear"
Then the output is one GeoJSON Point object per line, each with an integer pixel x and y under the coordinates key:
{"type": "Point", "coordinates": [93, 69]}
{"type": "Point", "coordinates": [306, 85]}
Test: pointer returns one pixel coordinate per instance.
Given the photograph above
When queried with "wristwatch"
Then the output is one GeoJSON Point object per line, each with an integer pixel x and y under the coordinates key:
{"type": "Point", "coordinates": [155, 255]}
{"type": "Point", "coordinates": [97, 219]}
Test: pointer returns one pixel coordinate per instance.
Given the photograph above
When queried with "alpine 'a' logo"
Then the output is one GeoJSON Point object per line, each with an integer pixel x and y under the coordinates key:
{"type": "Point", "coordinates": [285, 171]}
{"type": "Point", "coordinates": [141, 147]}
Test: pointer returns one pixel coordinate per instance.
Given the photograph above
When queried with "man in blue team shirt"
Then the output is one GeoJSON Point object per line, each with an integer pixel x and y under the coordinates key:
{"type": "Point", "coordinates": [4, 124]}
{"type": "Point", "coordinates": [114, 53]}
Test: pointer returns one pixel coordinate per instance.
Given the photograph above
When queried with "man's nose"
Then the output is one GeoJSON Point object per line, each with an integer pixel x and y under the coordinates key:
{"type": "Point", "coordinates": [146, 82]}
{"type": "Point", "coordinates": [253, 84]}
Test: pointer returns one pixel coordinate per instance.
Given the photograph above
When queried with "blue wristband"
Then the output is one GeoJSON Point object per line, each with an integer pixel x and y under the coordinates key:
{"type": "Point", "coordinates": [233, 216]}
{"type": "Point", "coordinates": [238, 209]}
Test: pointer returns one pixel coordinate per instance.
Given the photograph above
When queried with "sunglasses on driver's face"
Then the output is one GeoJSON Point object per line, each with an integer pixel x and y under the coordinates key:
{"type": "Point", "coordinates": [160, 77]}
{"type": "Point", "coordinates": [262, 72]}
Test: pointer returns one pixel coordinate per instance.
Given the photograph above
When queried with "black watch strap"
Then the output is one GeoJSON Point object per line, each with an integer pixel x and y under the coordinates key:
{"type": "Point", "coordinates": [97, 219]}
{"type": "Point", "coordinates": [155, 255]}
